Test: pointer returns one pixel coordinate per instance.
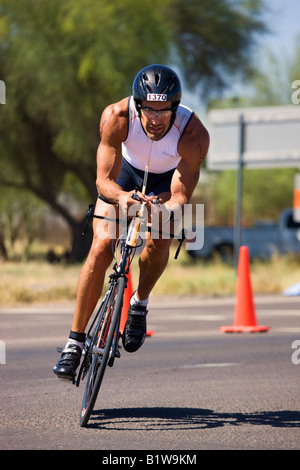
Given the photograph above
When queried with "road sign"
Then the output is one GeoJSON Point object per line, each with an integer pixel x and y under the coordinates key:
{"type": "Point", "coordinates": [271, 140]}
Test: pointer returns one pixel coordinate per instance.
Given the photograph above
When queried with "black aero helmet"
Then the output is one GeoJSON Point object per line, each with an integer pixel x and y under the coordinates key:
{"type": "Point", "coordinates": [156, 83]}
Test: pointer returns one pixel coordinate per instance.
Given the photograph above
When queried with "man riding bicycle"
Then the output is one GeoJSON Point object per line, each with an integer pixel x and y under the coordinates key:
{"type": "Point", "coordinates": [149, 128]}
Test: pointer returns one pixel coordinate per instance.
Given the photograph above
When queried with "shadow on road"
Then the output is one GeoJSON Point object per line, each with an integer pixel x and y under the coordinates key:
{"type": "Point", "coordinates": [187, 418]}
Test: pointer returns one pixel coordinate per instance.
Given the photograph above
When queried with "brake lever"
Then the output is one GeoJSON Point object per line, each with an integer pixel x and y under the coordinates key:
{"type": "Point", "coordinates": [135, 195]}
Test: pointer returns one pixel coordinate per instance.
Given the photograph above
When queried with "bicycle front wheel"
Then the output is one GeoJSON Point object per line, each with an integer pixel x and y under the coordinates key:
{"type": "Point", "coordinates": [102, 346]}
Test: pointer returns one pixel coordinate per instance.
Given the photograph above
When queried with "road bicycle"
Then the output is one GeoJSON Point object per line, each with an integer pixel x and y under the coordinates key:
{"type": "Point", "coordinates": [102, 344]}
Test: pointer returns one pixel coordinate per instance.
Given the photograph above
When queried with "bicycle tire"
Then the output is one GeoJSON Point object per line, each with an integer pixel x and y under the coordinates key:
{"type": "Point", "coordinates": [112, 311]}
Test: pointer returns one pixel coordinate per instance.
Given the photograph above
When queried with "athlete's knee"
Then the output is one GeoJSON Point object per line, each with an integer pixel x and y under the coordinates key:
{"type": "Point", "coordinates": [158, 247]}
{"type": "Point", "coordinates": [106, 221]}
{"type": "Point", "coordinates": [100, 254]}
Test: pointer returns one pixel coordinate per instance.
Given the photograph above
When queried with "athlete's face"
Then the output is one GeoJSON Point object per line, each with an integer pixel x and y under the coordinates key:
{"type": "Point", "coordinates": [155, 118]}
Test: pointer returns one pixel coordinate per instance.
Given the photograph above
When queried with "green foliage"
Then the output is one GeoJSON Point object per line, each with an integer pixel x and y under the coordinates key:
{"type": "Point", "coordinates": [215, 39]}
{"type": "Point", "coordinates": [20, 219]}
{"type": "Point", "coordinates": [63, 62]}
{"type": "Point", "coordinates": [265, 193]}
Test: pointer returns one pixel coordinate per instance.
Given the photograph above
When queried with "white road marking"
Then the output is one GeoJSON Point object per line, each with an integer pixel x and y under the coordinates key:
{"type": "Point", "coordinates": [213, 364]}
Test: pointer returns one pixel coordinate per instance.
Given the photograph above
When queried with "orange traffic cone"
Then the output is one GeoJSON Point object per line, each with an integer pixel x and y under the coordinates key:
{"type": "Point", "coordinates": [127, 296]}
{"type": "Point", "coordinates": [244, 312]}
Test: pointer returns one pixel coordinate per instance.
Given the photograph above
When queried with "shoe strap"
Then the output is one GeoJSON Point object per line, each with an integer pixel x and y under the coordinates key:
{"type": "Point", "coordinates": [68, 350]}
{"type": "Point", "coordinates": [136, 309]}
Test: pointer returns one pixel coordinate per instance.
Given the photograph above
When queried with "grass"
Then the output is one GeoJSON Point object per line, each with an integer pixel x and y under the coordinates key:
{"type": "Point", "coordinates": [27, 283]}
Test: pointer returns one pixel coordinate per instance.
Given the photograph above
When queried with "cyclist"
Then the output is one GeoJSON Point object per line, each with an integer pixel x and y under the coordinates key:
{"type": "Point", "coordinates": [150, 128]}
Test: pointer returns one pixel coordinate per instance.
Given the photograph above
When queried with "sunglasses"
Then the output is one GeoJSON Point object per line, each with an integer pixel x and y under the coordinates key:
{"type": "Point", "coordinates": [150, 112]}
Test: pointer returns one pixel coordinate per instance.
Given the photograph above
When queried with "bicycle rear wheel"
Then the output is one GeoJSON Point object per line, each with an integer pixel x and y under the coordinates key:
{"type": "Point", "coordinates": [103, 337]}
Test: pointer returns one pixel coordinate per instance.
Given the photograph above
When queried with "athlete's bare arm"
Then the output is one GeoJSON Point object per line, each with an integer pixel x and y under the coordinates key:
{"type": "Point", "coordinates": [113, 131]}
{"type": "Point", "coordinates": [193, 148]}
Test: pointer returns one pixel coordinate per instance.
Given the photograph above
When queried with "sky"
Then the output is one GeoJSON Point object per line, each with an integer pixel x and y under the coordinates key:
{"type": "Point", "coordinates": [284, 21]}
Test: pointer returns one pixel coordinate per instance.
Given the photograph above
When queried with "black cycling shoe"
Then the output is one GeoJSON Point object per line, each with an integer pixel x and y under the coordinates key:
{"type": "Point", "coordinates": [68, 363]}
{"type": "Point", "coordinates": [135, 329]}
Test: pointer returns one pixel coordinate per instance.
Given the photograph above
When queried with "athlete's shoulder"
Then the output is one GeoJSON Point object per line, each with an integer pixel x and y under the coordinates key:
{"type": "Point", "coordinates": [114, 117]}
{"type": "Point", "coordinates": [196, 136]}
{"type": "Point", "coordinates": [117, 110]}
{"type": "Point", "coordinates": [196, 129]}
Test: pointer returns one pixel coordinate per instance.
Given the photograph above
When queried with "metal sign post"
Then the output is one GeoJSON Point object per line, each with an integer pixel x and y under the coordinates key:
{"type": "Point", "coordinates": [239, 193]}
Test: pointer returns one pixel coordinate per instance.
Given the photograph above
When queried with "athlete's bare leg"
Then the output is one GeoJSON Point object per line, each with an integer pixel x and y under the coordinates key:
{"type": "Point", "coordinates": [153, 261]}
{"type": "Point", "coordinates": [92, 275]}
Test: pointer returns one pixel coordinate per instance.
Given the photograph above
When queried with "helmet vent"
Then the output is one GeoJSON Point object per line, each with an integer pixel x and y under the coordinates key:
{"type": "Point", "coordinates": [157, 79]}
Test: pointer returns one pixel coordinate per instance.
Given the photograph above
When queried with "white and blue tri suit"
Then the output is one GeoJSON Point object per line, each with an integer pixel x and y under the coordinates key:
{"type": "Point", "coordinates": [161, 156]}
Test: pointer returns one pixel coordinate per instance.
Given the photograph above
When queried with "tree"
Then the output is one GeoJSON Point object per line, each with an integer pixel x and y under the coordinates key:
{"type": "Point", "coordinates": [63, 62]}
{"type": "Point", "coordinates": [216, 40]}
{"type": "Point", "coordinates": [20, 221]}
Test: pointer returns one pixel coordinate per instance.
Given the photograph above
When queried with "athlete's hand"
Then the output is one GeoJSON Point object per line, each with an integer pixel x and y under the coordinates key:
{"type": "Point", "coordinates": [135, 198]}
{"type": "Point", "coordinates": [155, 200]}
{"type": "Point", "coordinates": [138, 196]}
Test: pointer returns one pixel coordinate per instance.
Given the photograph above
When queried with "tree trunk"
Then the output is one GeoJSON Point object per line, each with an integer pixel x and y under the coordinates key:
{"type": "Point", "coordinates": [80, 243]}
{"type": "Point", "coordinates": [3, 251]}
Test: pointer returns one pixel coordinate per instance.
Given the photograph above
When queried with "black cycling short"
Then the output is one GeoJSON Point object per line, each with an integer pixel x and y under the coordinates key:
{"type": "Point", "coordinates": [131, 178]}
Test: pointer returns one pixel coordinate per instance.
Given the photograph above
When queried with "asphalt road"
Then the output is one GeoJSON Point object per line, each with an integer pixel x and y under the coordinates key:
{"type": "Point", "coordinates": [190, 387]}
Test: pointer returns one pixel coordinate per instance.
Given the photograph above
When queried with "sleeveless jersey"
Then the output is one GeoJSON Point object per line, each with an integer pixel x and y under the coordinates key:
{"type": "Point", "coordinates": [159, 155]}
